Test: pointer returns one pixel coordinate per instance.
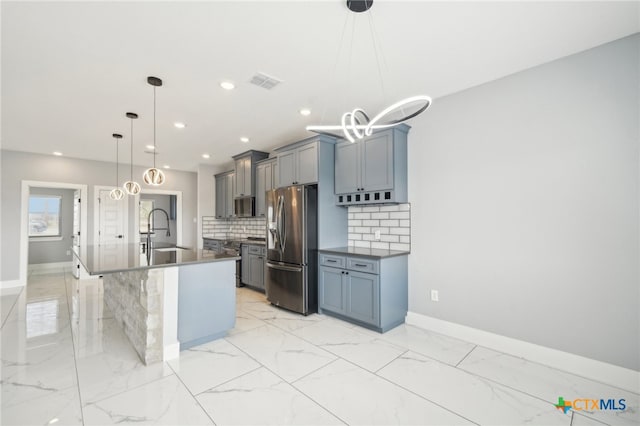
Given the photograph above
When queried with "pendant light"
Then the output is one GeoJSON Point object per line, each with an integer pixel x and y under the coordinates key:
{"type": "Point", "coordinates": [154, 176]}
{"type": "Point", "coordinates": [131, 187]}
{"type": "Point", "coordinates": [356, 124]}
{"type": "Point", "coordinates": [117, 193]}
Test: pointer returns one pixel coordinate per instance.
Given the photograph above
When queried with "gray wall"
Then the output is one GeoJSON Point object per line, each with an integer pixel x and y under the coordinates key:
{"type": "Point", "coordinates": [161, 201]}
{"type": "Point", "coordinates": [55, 251]}
{"type": "Point", "coordinates": [525, 200]}
{"type": "Point", "coordinates": [19, 166]}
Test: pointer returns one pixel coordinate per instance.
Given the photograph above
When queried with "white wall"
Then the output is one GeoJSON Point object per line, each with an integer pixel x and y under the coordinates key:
{"type": "Point", "coordinates": [18, 166]}
{"type": "Point", "coordinates": [525, 196]}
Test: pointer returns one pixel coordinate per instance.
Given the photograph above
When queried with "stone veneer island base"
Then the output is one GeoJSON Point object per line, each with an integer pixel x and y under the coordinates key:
{"type": "Point", "coordinates": [167, 301]}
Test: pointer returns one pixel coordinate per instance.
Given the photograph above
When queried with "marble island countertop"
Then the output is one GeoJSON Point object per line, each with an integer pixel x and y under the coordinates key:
{"type": "Point", "coordinates": [110, 258]}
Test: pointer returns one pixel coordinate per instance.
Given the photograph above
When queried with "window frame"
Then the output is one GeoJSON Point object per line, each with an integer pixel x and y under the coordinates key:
{"type": "Point", "coordinates": [42, 238]}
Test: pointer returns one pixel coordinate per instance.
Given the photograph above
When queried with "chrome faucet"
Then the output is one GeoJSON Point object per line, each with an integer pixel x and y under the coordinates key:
{"type": "Point", "coordinates": [149, 229]}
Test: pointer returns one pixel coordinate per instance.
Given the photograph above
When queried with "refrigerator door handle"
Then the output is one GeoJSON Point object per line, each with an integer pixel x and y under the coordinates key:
{"type": "Point", "coordinates": [280, 222]}
{"type": "Point", "coordinates": [284, 268]}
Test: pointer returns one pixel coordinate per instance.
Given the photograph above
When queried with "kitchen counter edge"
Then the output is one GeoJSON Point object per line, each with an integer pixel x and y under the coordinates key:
{"type": "Point", "coordinates": [364, 252]}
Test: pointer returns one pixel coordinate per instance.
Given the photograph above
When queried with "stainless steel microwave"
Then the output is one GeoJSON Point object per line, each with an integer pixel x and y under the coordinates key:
{"type": "Point", "coordinates": [244, 206]}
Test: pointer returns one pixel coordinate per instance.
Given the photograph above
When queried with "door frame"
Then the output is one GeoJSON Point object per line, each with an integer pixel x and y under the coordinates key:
{"type": "Point", "coordinates": [24, 219]}
{"type": "Point", "coordinates": [136, 212]}
{"type": "Point", "coordinates": [96, 212]}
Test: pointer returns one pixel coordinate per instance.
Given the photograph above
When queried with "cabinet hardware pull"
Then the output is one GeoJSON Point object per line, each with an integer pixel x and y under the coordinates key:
{"type": "Point", "coordinates": [360, 265]}
{"type": "Point", "coordinates": [332, 261]}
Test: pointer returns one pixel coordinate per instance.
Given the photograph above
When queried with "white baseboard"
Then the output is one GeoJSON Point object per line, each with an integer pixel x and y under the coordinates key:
{"type": "Point", "coordinates": [11, 284]}
{"type": "Point", "coordinates": [171, 351]}
{"type": "Point", "coordinates": [586, 367]}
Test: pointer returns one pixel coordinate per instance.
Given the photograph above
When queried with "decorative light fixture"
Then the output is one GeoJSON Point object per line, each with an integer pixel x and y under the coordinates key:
{"type": "Point", "coordinates": [131, 187]}
{"type": "Point", "coordinates": [117, 193]}
{"type": "Point", "coordinates": [356, 124]}
{"type": "Point", "coordinates": [154, 176]}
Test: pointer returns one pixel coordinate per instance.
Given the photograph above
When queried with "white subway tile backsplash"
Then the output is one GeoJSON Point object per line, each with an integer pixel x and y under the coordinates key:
{"type": "Point", "coordinates": [393, 222]}
{"type": "Point", "coordinates": [370, 223]}
{"type": "Point", "coordinates": [390, 222]}
{"type": "Point", "coordinates": [379, 245]}
{"type": "Point", "coordinates": [399, 215]}
{"type": "Point", "coordinates": [233, 228]}
{"type": "Point", "coordinates": [350, 216]}
{"type": "Point", "coordinates": [399, 246]}
{"type": "Point", "coordinates": [383, 215]}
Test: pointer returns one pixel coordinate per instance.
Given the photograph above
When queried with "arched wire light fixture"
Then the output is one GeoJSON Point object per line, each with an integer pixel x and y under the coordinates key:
{"type": "Point", "coordinates": [356, 124]}
{"type": "Point", "coordinates": [117, 193]}
{"type": "Point", "coordinates": [131, 187]}
{"type": "Point", "coordinates": [154, 176]}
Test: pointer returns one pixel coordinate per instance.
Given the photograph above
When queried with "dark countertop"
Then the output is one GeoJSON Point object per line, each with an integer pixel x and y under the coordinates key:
{"type": "Point", "coordinates": [110, 258]}
{"type": "Point", "coordinates": [364, 252]}
{"type": "Point", "coordinates": [240, 240]}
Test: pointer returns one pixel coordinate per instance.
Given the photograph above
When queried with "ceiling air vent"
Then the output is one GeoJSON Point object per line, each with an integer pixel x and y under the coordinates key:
{"type": "Point", "coordinates": [265, 81]}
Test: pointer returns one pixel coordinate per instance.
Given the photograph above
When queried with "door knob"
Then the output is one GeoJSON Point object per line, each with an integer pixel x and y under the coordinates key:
{"type": "Point", "coordinates": [119, 236]}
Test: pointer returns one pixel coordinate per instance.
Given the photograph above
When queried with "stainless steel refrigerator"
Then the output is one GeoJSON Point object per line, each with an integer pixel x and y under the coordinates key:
{"type": "Point", "coordinates": [290, 271]}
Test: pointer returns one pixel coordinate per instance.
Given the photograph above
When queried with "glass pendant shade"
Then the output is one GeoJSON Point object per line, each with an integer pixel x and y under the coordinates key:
{"type": "Point", "coordinates": [131, 187]}
{"type": "Point", "coordinates": [117, 193]}
{"type": "Point", "coordinates": [153, 176]}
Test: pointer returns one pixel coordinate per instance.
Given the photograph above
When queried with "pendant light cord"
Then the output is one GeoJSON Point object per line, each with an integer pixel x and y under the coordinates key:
{"type": "Point", "coordinates": [155, 148]}
{"type": "Point", "coordinates": [131, 178]}
{"type": "Point", "coordinates": [117, 163]}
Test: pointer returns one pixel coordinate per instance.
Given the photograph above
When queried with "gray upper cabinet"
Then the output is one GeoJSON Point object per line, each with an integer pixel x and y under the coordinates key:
{"type": "Point", "coordinates": [245, 169]}
{"type": "Point", "coordinates": [265, 181]}
{"type": "Point", "coordinates": [373, 170]}
{"type": "Point", "coordinates": [224, 194]}
{"type": "Point", "coordinates": [298, 165]}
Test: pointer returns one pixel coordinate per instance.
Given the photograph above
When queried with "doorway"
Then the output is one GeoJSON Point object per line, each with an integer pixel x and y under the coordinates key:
{"type": "Point", "coordinates": [43, 222]}
{"type": "Point", "coordinates": [110, 217]}
{"type": "Point", "coordinates": [168, 200]}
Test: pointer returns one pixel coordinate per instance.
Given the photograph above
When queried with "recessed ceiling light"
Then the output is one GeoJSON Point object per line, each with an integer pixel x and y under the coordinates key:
{"type": "Point", "coordinates": [305, 111]}
{"type": "Point", "coordinates": [58, 153]}
{"type": "Point", "coordinates": [244, 139]}
{"type": "Point", "coordinates": [205, 156]}
{"type": "Point", "coordinates": [166, 166]}
{"type": "Point", "coordinates": [227, 85]}
{"type": "Point", "coordinates": [179, 125]}
{"type": "Point", "coordinates": [151, 147]}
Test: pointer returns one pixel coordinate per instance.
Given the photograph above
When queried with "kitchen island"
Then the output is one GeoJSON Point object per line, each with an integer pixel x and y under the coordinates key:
{"type": "Point", "coordinates": [167, 298]}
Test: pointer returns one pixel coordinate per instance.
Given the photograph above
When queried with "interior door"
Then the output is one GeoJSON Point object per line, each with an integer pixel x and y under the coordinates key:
{"type": "Point", "coordinates": [75, 238]}
{"type": "Point", "coordinates": [111, 219]}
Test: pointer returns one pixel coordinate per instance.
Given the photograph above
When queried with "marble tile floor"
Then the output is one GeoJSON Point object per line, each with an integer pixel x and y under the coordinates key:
{"type": "Point", "coordinates": [65, 361]}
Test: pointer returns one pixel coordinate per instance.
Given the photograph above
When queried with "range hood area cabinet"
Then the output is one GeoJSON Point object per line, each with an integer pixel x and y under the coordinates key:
{"type": "Point", "coordinates": [266, 180]}
{"type": "Point", "coordinates": [225, 183]}
{"type": "Point", "coordinates": [373, 170]}
{"type": "Point", "coordinates": [245, 181]}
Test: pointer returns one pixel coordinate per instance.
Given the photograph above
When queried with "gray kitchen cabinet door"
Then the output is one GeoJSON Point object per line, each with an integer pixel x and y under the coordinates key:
{"type": "Point", "coordinates": [332, 290]}
{"type": "Point", "coordinates": [363, 297]}
{"type": "Point", "coordinates": [268, 176]}
{"type": "Point", "coordinates": [245, 271]}
{"type": "Point", "coordinates": [275, 175]}
{"type": "Point", "coordinates": [247, 181]}
{"type": "Point", "coordinates": [347, 168]}
{"type": "Point", "coordinates": [263, 179]}
{"type": "Point", "coordinates": [256, 271]}
{"type": "Point", "coordinates": [286, 168]}
{"type": "Point", "coordinates": [243, 177]}
{"type": "Point", "coordinates": [307, 166]}
{"type": "Point", "coordinates": [221, 189]}
{"type": "Point", "coordinates": [377, 162]}
{"type": "Point", "coordinates": [229, 195]}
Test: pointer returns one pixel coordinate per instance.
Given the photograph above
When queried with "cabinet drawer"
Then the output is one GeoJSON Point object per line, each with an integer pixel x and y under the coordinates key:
{"type": "Point", "coordinates": [362, 265]}
{"type": "Point", "coordinates": [255, 250]}
{"type": "Point", "coordinates": [332, 260]}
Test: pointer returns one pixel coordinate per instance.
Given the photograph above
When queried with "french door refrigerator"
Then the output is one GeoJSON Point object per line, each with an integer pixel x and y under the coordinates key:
{"type": "Point", "coordinates": [290, 269]}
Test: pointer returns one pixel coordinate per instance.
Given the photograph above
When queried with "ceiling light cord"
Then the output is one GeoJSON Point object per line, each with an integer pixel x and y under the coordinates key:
{"type": "Point", "coordinates": [375, 52]}
{"type": "Point", "coordinates": [335, 65]}
{"type": "Point", "coordinates": [131, 174]}
{"type": "Point", "coordinates": [155, 147]}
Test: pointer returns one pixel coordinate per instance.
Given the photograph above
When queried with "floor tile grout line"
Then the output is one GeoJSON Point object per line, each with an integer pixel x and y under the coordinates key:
{"type": "Point", "coordinates": [229, 380]}
{"type": "Point", "coordinates": [13, 306]}
{"type": "Point", "coordinates": [376, 372]}
{"type": "Point", "coordinates": [465, 357]}
{"type": "Point", "coordinates": [73, 343]}
{"type": "Point", "coordinates": [190, 393]}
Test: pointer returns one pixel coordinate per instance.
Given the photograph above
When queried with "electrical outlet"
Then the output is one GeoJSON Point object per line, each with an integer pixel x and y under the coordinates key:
{"type": "Point", "coordinates": [434, 296]}
{"type": "Point", "coordinates": [376, 235]}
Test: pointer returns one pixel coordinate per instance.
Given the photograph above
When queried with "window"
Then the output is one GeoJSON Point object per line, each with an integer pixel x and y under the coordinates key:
{"type": "Point", "coordinates": [145, 207]}
{"type": "Point", "coordinates": [44, 216]}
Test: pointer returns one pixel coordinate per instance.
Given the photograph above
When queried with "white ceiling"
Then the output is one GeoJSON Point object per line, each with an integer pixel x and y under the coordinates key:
{"type": "Point", "coordinates": [71, 70]}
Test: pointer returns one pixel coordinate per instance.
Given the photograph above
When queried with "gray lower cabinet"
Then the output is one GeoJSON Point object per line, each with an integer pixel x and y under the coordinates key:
{"type": "Point", "coordinates": [253, 257]}
{"type": "Point", "coordinates": [211, 244]}
{"type": "Point", "coordinates": [369, 292]}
